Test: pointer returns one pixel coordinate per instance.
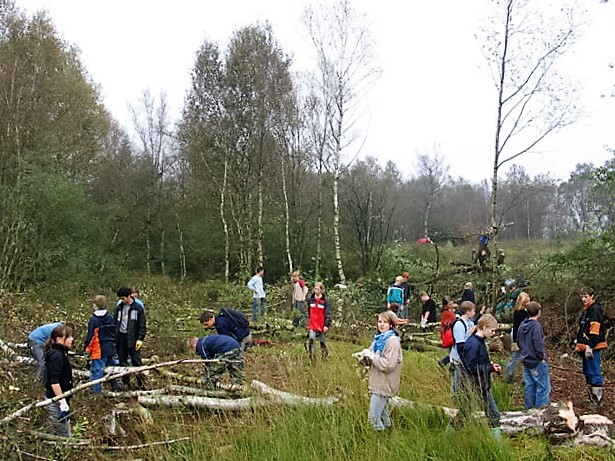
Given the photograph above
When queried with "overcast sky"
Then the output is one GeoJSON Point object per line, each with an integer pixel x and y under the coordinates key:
{"type": "Point", "coordinates": [435, 88]}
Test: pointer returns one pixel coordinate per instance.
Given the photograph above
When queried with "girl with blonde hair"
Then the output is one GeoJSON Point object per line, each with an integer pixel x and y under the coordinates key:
{"type": "Point", "coordinates": [519, 315]}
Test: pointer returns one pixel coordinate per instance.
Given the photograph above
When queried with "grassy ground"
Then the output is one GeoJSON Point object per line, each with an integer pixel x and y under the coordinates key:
{"type": "Point", "coordinates": [338, 432]}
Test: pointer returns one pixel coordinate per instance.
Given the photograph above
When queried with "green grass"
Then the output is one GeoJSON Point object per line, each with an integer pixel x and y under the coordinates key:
{"type": "Point", "coordinates": [338, 432]}
{"type": "Point", "coordinates": [342, 431]}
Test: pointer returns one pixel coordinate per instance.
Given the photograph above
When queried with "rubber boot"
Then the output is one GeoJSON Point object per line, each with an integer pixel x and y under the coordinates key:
{"type": "Point", "coordinates": [311, 349]}
{"type": "Point", "coordinates": [595, 396]}
{"type": "Point", "coordinates": [324, 351]}
{"type": "Point", "coordinates": [497, 433]}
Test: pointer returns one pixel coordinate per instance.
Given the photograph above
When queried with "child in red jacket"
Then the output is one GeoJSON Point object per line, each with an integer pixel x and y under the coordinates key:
{"type": "Point", "coordinates": [319, 311]}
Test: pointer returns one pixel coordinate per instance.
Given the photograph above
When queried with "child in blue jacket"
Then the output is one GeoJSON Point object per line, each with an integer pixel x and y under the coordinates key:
{"type": "Point", "coordinates": [99, 346]}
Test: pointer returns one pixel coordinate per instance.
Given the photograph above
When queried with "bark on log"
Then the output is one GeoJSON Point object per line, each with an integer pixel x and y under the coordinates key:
{"type": "Point", "coordinates": [222, 387]}
{"type": "Point", "coordinates": [557, 422]}
{"type": "Point", "coordinates": [203, 402]}
{"type": "Point", "coordinates": [287, 398]}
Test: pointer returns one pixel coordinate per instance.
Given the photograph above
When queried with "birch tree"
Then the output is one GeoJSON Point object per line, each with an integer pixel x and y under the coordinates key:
{"type": "Point", "coordinates": [259, 82]}
{"type": "Point", "coordinates": [524, 42]}
{"type": "Point", "coordinates": [346, 71]}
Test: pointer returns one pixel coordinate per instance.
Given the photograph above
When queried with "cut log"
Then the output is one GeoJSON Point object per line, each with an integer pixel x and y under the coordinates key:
{"type": "Point", "coordinates": [557, 422]}
{"type": "Point", "coordinates": [203, 402]}
{"type": "Point", "coordinates": [287, 398]}
{"type": "Point", "coordinates": [222, 387]}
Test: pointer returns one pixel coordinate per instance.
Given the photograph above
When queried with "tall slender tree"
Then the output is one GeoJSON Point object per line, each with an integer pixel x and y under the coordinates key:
{"type": "Point", "coordinates": [523, 42]}
{"type": "Point", "coordinates": [346, 71]}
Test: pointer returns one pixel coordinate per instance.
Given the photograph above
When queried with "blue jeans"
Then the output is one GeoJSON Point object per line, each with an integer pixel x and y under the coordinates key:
{"type": "Point", "coordinates": [592, 370]}
{"type": "Point", "coordinates": [469, 395]}
{"type": "Point", "coordinates": [97, 371]}
{"type": "Point", "coordinates": [456, 370]}
{"type": "Point", "coordinates": [378, 412]}
{"type": "Point", "coordinates": [38, 353]}
{"type": "Point", "coordinates": [493, 414]}
{"type": "Point", "coordinates": [511, 366]}
{"type": "Point", "coordinates": [255, 308]}
{"type": "Point", "coordinates": [299, 319]}
{"type": "Point", "coordinates": [537, 386]}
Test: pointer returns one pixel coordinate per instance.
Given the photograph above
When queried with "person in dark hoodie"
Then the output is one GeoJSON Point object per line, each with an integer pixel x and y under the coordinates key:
{"type": "Point", "coordinates": [531, 340]}
{"type": "Point", "coordinates": [229, 322]}
{"type": "Point", "coordinates": [99, 346]}
{"type": "Point", "coordinates": [591, 339]}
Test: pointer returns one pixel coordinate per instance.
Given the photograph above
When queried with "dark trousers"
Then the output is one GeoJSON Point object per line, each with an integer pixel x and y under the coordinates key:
{"type": "Point", "coordinates": [123, 351]}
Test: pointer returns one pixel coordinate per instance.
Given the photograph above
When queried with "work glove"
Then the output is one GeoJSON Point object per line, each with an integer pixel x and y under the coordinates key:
{"type": "Point", "coordinates": [423, 322]}
{"type": "Point", "coordinates": [589, 353]}
{"type": "Point", "coordinates": [86, 355]}
{"type": "Point", "coordinates": [64, 410]}
{"type": "Point", "coordinates": [138, 344]}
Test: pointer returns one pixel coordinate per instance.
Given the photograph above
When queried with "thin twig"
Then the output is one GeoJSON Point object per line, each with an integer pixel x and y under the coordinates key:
{"type": "Point", "coordinates": [143, 445]}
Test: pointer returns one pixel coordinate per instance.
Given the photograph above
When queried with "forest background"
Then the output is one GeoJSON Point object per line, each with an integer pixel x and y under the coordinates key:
{"type": "Point", "coordinates": [255, 172]}
{"type": "Point", "coordinates": [261, 169]}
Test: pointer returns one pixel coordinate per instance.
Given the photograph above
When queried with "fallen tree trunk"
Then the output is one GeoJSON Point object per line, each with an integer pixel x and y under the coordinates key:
{"type": "Point", "coordinates": [287, 398]}
{"type": "Point", "coordinates": [128, 371]}
{"type": "Point", "coordinates": [202, 402]}
{"type": "Point", "coordinates": [557, 422]}
{"type": "Point", "coordinates": [222, 387]}
{"type": "Point", "coordinates": [272, 396]}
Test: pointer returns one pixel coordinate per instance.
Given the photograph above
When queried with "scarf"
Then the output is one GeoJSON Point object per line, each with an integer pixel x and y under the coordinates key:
{"type": "Point", "coordinates": [380, 339]}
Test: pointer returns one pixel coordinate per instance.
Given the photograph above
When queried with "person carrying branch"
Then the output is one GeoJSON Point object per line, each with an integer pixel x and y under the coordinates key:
{"type": "Point", "coordinates": [591, 339]}
{"type": "Point", "coordinates": [385, 358]}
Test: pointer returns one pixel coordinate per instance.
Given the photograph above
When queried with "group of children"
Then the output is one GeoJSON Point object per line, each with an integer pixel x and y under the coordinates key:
{"type": "Point", "coordinates": [108, 337]}
{"type": "Point", "coordinates": [470, 364]}
{"type": "Point", "coordinates": [122, 336]}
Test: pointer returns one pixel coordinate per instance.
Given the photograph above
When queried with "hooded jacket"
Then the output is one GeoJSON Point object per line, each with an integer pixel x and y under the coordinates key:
{"type": "Point", "coordinates": [233, 323]}
{"type": "Point", "coordinates": [100, 340]}
{"type": "Point", "coordinates": [476, 362]}
{"type": "Point", "coordinates": [531, 341]}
